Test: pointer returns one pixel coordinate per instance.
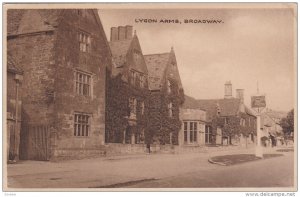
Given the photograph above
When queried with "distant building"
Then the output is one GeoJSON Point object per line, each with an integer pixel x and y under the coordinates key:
{"type": "Point", "coordinates": [64, 55]}
{"type": "Point", "coordinates": [229, 119]}
{"type": "Point", "coordinates": [270, 124]}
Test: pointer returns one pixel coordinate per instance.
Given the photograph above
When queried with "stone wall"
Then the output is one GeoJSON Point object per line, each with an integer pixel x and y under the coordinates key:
{"type": "Point", "coordinates": [69, 59]}
{"type": "Point", "coordinates": [34, 55]}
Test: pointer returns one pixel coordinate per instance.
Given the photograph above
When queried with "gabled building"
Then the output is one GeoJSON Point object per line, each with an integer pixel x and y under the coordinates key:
{"type": "Point", "coordinates": [166, 97]}
{"type": "Point", "coordinates": [64, 55]}
{"type": "Point", "coordinates": [127, 89]}
{"type": "Point", "coordinates": [229, 120]}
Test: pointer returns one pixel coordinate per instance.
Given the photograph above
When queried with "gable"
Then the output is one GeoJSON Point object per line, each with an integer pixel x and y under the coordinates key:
{"type": "Point", "coordinates": [135, 57]}
{"type": "Point", "coordinates": [172, 69]}
{"type": "Point", "coordinates": [30, 21]}
{"type": "Point", "coordinates": [156, 65]}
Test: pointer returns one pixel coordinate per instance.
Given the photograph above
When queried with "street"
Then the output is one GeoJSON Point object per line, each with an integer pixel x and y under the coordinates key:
{"type": "Point", "coordinates": [189, 170]}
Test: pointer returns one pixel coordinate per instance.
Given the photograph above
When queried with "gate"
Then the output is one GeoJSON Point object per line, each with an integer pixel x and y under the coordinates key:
{"type": "Point", "coordinates": [35, 142]}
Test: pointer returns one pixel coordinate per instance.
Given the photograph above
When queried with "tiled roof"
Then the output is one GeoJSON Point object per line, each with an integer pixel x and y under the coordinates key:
{"type": "Point", "coordinates": [249, 111]}
{"type": "Point", "coordinates": [32, 20]}
{"type": "Point", "coordinates": [228, 107]}
{"type": "Point", "coordinates": [12, 65]}
{"type": "Point", "coordinates": [156, 64]}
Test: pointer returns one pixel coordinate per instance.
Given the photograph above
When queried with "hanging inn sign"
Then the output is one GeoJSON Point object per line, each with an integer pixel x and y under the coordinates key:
{"type": "Point", "coordinates": [258, 101]}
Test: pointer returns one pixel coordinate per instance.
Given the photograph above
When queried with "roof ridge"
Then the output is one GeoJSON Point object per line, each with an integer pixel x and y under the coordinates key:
{"type": "Point", "coordinates": [157, 54]}
{"type": "Point", "coordinates": [114, 41]}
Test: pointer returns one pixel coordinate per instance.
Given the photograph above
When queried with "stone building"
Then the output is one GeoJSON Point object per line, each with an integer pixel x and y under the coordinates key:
{"type": "Point", "coordinates": [166, 97]}
{"type": "Point", "coordinates": [14, 107]}
{"type": "Point", "coordinates": [64, 55]}
{"type": "Point", "coordinates": [127, 89]}
{"type": "Point", "coordinates": [230, 121]}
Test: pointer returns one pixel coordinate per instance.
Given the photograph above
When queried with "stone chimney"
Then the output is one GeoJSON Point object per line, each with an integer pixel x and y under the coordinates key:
{"type": "Point", "coordinates": [113, 34]}
{"type": "Point", "coordinates": [228, 90]}
{"type": "Point", "coordinates": [121, 33]}
{"type": "Point", "coordinates": [240, 95]}
{"type": "Point", "coordinates": [129, 30]}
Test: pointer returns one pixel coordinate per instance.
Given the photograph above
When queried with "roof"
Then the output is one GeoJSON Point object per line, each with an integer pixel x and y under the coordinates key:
{"type": "Point", "coordinates": [156, 64]}
{"type": "Point", "coordinates": [193, 114]}
{"type": "Point", "coordinates": [12, 65]}
{"type": "Point", "coordinates": [227, 107]}
{"type": "Point", "coordinates": [249, 111]}
{"type": "Point", "coordinates": [20, 21]}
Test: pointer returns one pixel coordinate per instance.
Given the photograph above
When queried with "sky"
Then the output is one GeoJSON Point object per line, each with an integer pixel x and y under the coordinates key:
{"type": "Point", "coordinates": [249, 47]}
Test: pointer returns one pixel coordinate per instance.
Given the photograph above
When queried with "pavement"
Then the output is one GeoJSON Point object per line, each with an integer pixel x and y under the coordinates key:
{"type": "Point", "coordinates": [154, 171]}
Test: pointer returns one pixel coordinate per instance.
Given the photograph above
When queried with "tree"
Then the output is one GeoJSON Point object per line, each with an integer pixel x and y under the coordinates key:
{"type": "Point", "coordinates": [287, 124]}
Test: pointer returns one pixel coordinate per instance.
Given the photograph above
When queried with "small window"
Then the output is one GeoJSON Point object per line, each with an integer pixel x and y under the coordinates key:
{"type": "Point", "coordinates": [185, 131]}
{"type": "Point", "coordinates": [132, 105]}
{"type": "Point", "coordinates": [84, 42]}
{"type": "Point", "coordinates": [81, 124]}
{"type": "Point", "coordinates": [132, 77]}
{"type": "Point", "coordinates": [83, 83]}
{"type": "Point", "coordinates": [142, 81]}
{"type": "Point", "coordinates": [169, 86]}
{"type": "Point", "coordinates": [170, 109]}
{"type": "Point", "coordinates": [142, 107]}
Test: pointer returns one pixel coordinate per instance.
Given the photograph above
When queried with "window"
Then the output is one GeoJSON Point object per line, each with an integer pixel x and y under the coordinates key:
{"type": "Point", "coordinates": [195, 131]}
{"type": "Point", "coordinates": [170, 109]}
{"type": "Point", "coordinates": [132, 106]}
{"type": "Point", "coordinates": [185, 127]}
{"type": "Point", "coordinates": [81, 124]}
{"type": "Point", "coordinates": [84, 42]}
{"type": "Point", "coordinates": [140, 137]}
{"type": "Point", "coordinates": [208, 135]}
{"type": "Point", "coordinates": [83, 83]}
{"type": "Point", "coordinates": [169, 86]}
{"type": "Point", "coordinates": [242, 122]}
{"type": "Point", "coordinates": [132, 77]}
{"type": "Point", "coordinates": [141, 81]}
{"type": "Point", "coordinates": [142, 107]}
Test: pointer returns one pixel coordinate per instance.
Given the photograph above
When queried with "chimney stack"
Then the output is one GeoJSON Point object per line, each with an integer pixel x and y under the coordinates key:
{"type": "Point", "coordinates": [121, 33]}
{"type": "Point", "coordinates": [228, 90]}
{"type": "Point", "coordinates": [240, 95]}
{"type": "Point", "coordinates": [113, 34]}
{"type": "Point", "coordinates": [129, 30]}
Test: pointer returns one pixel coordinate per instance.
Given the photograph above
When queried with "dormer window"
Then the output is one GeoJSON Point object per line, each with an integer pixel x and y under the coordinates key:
{"type": "Point", "coordinates": [84, 42]}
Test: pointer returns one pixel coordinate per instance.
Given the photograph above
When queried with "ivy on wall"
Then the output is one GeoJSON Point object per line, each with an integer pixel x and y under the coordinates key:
{"type": "Point", "coordinates": [118, 111]}
{"type": "Point", "coordinates": [161, 125]}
